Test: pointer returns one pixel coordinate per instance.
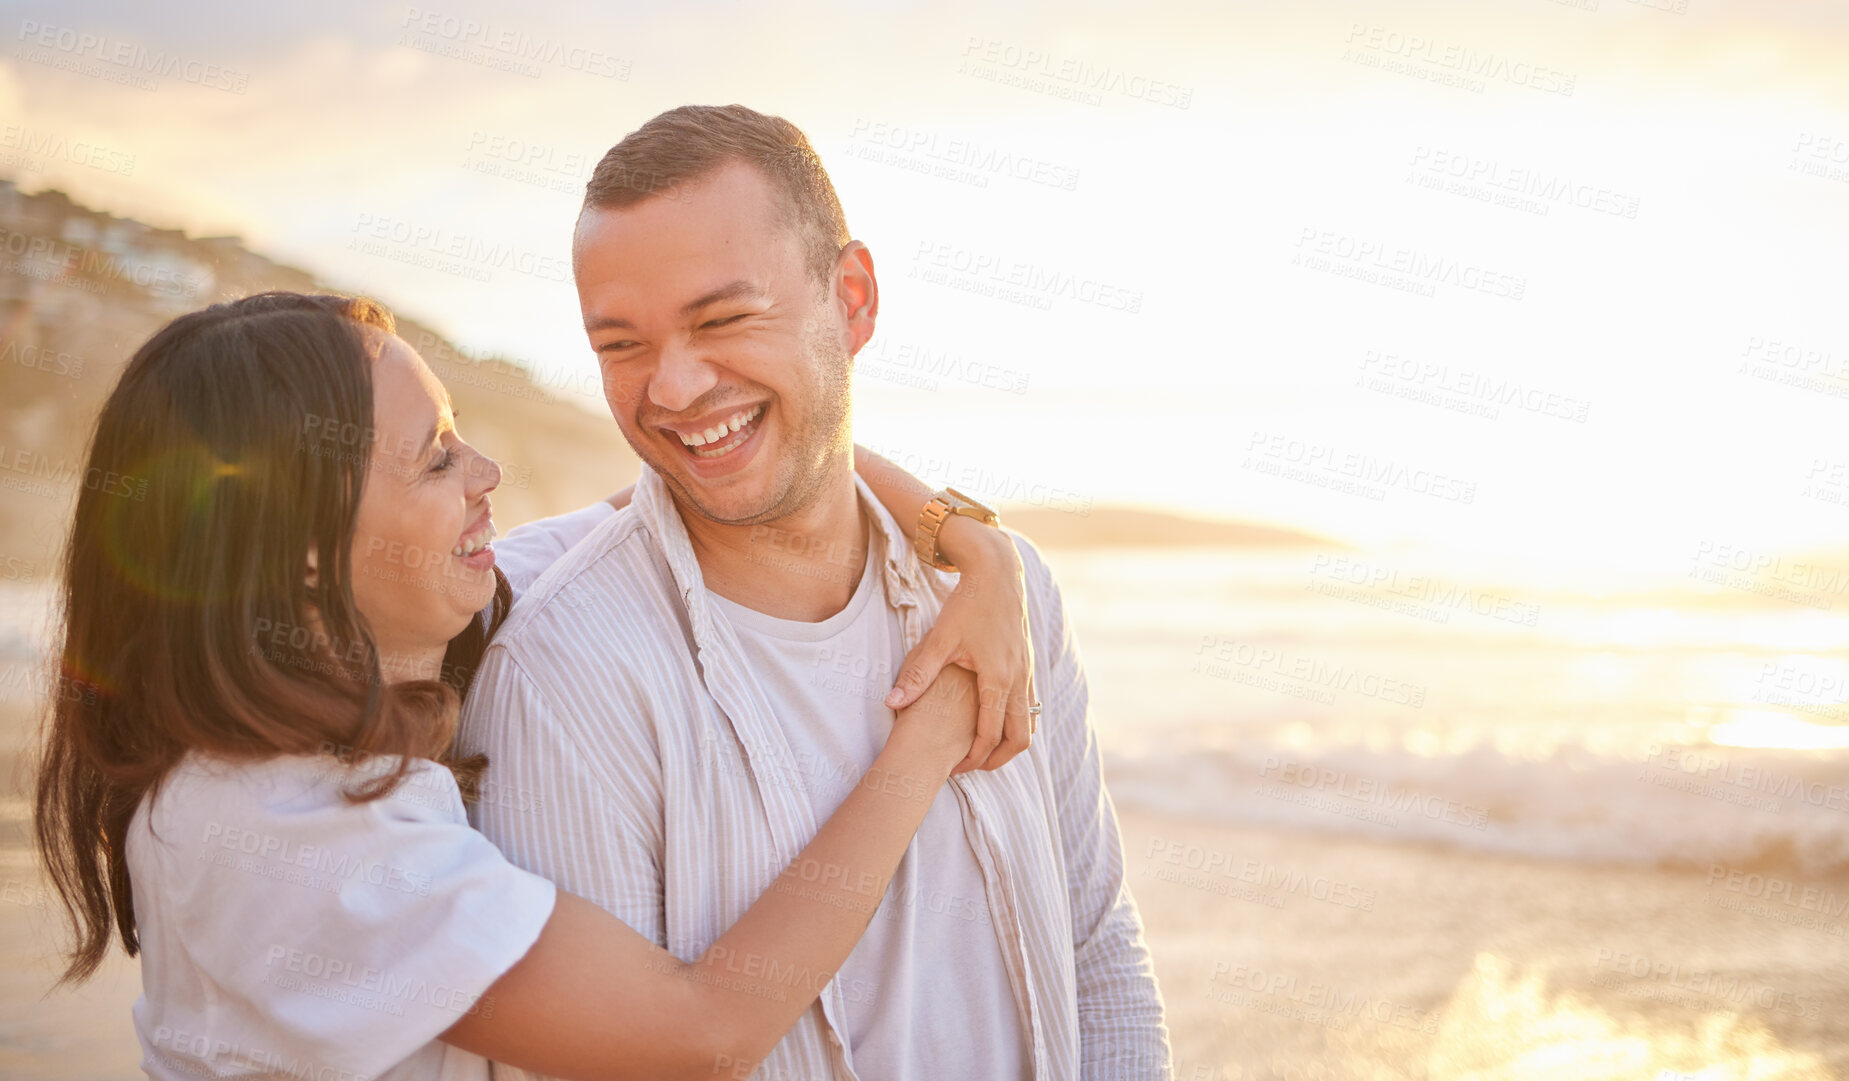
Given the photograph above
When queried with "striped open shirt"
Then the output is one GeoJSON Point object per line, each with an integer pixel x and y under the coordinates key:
{"type": "Point", "coordinates": [634, 760]}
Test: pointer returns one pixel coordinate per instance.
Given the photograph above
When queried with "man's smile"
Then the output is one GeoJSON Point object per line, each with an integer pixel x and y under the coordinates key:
{"type": "Point", "coordinates": [720, 442]}
{"type": "Point", "coordinates": [723, 437]}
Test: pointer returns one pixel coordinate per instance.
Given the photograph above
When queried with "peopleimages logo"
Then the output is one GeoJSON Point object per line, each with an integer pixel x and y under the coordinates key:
{"type": "Point", "coordinates": [61, 259]}
{"type": "Point", "coordinates": [1463, 390]}
{"type": "Point", "coordinates": [1608, 964]}
{"type": "Point", "coordinates": [1374, 792]}
{"type": "Point", "coordinates": [227, 1058]}
{"type": "Point", "coordinates": [362, 985]}
{"type": "Point", "coordinates": [1379, 262]}
{"type": "Point", "coordinates": [1546, 189]}
{"type": "Point", "coordinates": [1419, 53]}
{"type": "Point", "coordinates": [986, 271]}
{"type": "Point", "coordinates": [1070, 77]}
{"type": "Point", "coordinates": [441, 248]}
{"type": "Point", "coordinates": [40, 358]}
{"type": "Point", "coordinates": [981, 160]}
{"type": "Point", "coordinates": [30, 144]}
{"type": "Point", "coordinates": [1273, 668]}
{"type": "Point", "coordinates": [320, 859]}
{"type": "Point", "coordinates": [1211, 863]}
{"type": "Point", "coordinates": [1370, 475]}
{"type": "Point", "coordinates": [504, 47]}
{"type": "Point", "coordinates": [1288, 996]}
{"type": "Point", "coordinates": [133, 62]}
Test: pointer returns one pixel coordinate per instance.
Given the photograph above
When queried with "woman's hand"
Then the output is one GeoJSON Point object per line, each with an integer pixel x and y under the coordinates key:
{"type": "Point", "coordinates": [982, 628]}
{"type": "Point", "coordinates": [941, 722]}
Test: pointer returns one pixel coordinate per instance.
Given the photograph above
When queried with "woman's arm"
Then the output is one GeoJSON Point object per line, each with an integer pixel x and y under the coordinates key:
{"type": "Point", "coordinates": [594, 1000]}
{"type": "Point", "coordinates": [983, 625]}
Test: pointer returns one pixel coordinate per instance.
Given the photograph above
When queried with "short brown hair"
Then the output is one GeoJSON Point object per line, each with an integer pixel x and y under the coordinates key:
{"type": "Point", "coordinates": [686, 144]}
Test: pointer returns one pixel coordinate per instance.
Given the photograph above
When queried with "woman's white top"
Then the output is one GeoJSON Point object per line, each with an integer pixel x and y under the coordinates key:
{"type": "Point", "coordinates": [287, 932]}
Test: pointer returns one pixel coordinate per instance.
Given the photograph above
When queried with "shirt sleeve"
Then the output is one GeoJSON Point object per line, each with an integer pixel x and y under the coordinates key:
{"type": "Point", "coordinates": [525, 553]}
{"type": "Point", "coordinates": [555, 812]}
{"type": "Point", "coordinates": [342, 934]}
{"type": "Point", "coordinates": [1122, 1034]}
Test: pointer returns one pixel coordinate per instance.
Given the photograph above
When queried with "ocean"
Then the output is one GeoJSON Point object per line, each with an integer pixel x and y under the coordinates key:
{"type": "Point", "coordinates": [1373, 695]}
{"type": "Point", "coordinates": [1387, 817]}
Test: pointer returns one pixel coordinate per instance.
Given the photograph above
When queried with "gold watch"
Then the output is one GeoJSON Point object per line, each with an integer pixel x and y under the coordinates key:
{"type": "Point", "coordinates": [942, 506]}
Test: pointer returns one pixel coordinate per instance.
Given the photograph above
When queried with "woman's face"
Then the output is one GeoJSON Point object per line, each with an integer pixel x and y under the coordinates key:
{"type": "Point", "coordinates": [422, 563]}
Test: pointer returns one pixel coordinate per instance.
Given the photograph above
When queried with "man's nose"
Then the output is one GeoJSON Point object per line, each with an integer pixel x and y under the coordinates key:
{"type": "Point", "coordinates": [681, 376]}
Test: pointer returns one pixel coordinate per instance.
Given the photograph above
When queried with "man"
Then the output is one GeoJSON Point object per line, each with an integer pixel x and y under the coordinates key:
{"type": "Point", "coordinates": [694, 685]}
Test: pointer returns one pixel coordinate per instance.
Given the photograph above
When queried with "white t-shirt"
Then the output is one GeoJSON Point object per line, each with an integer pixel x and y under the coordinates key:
{"type": "Point", "coordinates": [927, 992]}
{"type": "Point", "coordinates": [525, 553]}
{"type": "Point", "coordinates": [289, 933]}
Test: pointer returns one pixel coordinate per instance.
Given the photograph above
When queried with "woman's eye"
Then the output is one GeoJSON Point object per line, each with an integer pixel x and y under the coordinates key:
{"type": "Point", "coordinates": [445, 462]}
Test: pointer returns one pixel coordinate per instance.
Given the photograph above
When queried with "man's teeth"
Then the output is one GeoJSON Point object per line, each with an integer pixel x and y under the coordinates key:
{"type": "Point", "coordinates": [723, 428]}
{"type": "Point", "coordinates": [470, 546]}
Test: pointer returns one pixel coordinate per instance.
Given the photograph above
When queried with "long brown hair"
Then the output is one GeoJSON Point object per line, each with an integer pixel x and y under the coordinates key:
{"type": "Point", "coordinates": [177, 576]}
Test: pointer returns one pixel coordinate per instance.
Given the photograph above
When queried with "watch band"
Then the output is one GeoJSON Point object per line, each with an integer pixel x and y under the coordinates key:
{"type": "Point", "coordinates": [931, 520]}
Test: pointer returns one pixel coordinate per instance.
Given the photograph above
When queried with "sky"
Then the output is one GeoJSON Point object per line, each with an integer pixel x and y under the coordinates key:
{"type": "Point", "coordinates": [1531, 283]}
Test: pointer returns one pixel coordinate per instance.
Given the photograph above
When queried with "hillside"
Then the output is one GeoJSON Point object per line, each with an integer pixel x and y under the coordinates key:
{"type": "Point", "coordinates": [80, 290]}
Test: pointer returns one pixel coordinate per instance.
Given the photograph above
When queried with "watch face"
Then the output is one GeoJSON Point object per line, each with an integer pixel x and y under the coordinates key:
{"type": "Point", "coordinates": [971, 503]}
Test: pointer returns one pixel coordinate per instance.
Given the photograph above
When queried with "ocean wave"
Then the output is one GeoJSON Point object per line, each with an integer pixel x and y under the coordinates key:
{"type": "Point", "coordinates": [1667, 805]}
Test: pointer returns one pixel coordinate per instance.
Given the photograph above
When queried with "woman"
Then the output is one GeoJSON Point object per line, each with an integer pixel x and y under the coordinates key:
{"type": "Point", "coordinates": [239, 779]}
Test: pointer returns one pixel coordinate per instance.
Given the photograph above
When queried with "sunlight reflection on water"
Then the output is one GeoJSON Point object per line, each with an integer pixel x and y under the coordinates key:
{"type": "Point", "coordinates": [1502, 1025]}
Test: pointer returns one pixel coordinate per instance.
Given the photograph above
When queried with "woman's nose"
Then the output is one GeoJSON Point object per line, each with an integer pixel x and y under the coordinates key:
{"type": "Point", "coordinates": [484, 475]}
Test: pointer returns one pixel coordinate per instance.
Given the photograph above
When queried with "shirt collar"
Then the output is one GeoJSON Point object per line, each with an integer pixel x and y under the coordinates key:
{"type": "Point", "coordinates": [905, 577]}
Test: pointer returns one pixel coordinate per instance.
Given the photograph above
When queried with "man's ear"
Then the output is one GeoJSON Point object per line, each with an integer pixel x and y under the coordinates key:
{"type": "Point", "coordinates": [857, 291]}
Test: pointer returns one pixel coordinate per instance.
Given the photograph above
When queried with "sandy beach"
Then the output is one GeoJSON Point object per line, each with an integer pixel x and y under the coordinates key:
{"type": "Point", "coordinates": [1288, 954]}
{"type": "Point", "coordinates": [1421, 962]}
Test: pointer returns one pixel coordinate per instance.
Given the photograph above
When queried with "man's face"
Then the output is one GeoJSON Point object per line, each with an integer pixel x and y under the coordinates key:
{"type": "Point", "coordinates": [724, 361]}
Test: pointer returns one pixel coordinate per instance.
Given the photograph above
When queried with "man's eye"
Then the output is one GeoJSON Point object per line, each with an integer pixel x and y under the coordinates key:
{"type": "Point", "coordinates": [615, 347]}
{"type": "Point", "coordinates": [722, 322]}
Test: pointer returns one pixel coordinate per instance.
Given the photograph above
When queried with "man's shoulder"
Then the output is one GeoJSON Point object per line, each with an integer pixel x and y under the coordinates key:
{"type": "Point", "coordinates": [615, 580]}
{"type": "Point", "coordinates": [1047, 624]}
{"type": "Point", "coordinates": [1032, 561]}
{"type": "Point", "coordinates": [1042, 585]}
